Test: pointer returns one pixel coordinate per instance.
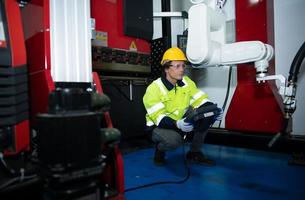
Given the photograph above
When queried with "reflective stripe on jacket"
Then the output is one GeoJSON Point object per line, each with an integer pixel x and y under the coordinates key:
{"type": "Point", "coordinates": [160, 102]}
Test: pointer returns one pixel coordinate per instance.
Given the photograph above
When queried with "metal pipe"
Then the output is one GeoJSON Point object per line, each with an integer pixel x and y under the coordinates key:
{"type": "Point", "coordinates": [166, 23]}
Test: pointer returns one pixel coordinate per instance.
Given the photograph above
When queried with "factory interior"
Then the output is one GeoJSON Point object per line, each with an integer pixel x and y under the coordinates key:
{"type": "Point", "coordinates": [152, 99]}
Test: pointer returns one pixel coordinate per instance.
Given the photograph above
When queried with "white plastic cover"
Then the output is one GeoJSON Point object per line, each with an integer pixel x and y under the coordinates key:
{"type": "Point", "coordinates": [206, 42]}
{"type": "Point", "coordinates": [206, 33]}
{"type": "Point", "coordinates": [70, 27]}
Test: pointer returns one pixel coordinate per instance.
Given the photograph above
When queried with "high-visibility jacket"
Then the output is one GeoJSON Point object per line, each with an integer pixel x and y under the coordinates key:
{"type": "Point", "coordinates": [161, 102]}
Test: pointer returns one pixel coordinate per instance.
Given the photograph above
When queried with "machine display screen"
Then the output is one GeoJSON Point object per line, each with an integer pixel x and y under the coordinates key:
{"type": "Point", "coordinates": [2, 33]}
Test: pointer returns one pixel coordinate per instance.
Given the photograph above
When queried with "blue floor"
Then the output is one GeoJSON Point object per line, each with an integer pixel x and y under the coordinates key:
{"type": "Point", "coordinates": [238, 174]}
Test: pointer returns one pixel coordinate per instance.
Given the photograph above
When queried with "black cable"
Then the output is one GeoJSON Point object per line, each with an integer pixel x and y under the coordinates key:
{"type": "Point", "coordinates": [10, 171]}
{"type": "Point", "coordinates": [292, 80]}
{"type": "Point", "coordinates": [14, 182]}
{"type": "Point", "coordinates": [296, 64]}
{"type": "Point", "coordinates": [227, 93]}
{"type": "Point", "coordinates": [166, 182]}
{"type": "Point", "coordinates": [19, 176]}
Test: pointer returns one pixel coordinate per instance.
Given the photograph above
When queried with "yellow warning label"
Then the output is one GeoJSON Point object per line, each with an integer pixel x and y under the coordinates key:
{"type": "Point", "coordinates": [133, 46]}
{"type": "Point", "coordinates": [101, 39]}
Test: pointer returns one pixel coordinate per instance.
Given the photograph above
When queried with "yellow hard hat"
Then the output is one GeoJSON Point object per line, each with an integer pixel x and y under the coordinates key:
{"type": "Point", "coordinates": [173, 53]}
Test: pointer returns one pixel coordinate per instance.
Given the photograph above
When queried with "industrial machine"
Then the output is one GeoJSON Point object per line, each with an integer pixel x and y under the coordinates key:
{"type": "Point", "coordinates": [57, 140]}
{"type": "Point", "coordinates": [56, 134]}
{"type": "Point", "coordinates": [206, 47]}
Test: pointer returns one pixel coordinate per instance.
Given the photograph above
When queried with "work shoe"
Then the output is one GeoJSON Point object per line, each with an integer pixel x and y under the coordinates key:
{"type": "Point", "coordinates": [159, 158]}
{"type": "Point", "coordinates": [199, 158]}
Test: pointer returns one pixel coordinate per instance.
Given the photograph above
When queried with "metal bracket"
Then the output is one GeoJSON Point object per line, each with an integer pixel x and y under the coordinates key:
{"type": "Point", "coordinates": [279, 77]}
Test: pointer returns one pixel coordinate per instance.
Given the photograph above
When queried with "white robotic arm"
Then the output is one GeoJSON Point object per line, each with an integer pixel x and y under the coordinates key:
{"type": "Point", "coordinates": [206, 42]}
{"type": "Point", "coordinates": [206, 47]}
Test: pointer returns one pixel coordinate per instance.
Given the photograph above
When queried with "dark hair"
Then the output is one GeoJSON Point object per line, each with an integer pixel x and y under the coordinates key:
{"type": "Point", "coordinates": [165, 66]}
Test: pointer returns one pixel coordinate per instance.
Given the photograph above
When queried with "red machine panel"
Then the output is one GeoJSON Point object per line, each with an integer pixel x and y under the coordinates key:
{"type": "Point", "coordinates": [108, 15]}
{"type": "Point", "coordinates": [36, 22]}
{"type": "Point", "coordinates": [254, 107]}
{"type": "Point", "coordinates": [16, 34]}
{"type": "Point", "coordinates": [13, 75]}
{"type": "Point", "coordinates": [21, 138]}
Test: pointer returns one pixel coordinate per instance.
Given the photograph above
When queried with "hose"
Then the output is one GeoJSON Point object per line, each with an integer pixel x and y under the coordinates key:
{"type": "Point", "coordinates": [227, 93]}
{"type": "Point", "coordinates": [296, 64]}
{"type": "Point", "coordinates": [292, 79]}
